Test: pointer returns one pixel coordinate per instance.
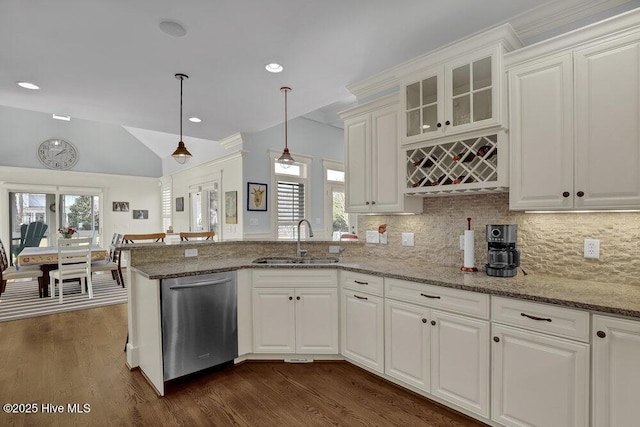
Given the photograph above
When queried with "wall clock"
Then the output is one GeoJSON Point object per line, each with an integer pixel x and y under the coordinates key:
{"type": "Point", "coordinates": [57, 153]}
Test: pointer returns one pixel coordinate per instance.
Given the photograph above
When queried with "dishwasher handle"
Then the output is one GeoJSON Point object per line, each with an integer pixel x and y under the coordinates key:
{"type": "Point", "coordinates": [201, 284]}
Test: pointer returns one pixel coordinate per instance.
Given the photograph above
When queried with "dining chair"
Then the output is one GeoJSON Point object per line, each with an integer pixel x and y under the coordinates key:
{"type": "Point", "coordinates": [114, 261]}
{"type": "Point", "coordinates": [196, 235]}
{"type": "Point", "coordinates": [74, 262]}
{"type": "Point", "coordinates": [8, 272]}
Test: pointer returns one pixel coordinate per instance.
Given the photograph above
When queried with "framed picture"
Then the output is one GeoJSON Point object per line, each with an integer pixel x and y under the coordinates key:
{"type": "Point", "coordinates": [256, 196]}
{"type": "Point", "coordinates": [121, 206]}
{"type": "Point", "coordinates": [179, 204]}
{"type": "Point", "coordinates": [231, 207]}
{"type": "Point", "coordinates": [140, 214]}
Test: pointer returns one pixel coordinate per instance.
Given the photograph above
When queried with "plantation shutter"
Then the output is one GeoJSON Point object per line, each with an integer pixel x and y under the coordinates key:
{"type": "Point", "coordinates": [290, 201]}
{"type": "Point", "coordinates": [166, 205]}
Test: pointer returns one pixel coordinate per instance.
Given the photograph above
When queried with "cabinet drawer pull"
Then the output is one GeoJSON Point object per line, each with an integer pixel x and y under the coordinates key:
{"type": "Point", "coordinates": [361, 283]}
{"type": "Point", "coordinates": [433, 323]}
{"type": "Point", "coordinates": [424, 320]}
{"type": "Point", "coordinates": [430, 296]}
{"type": "Point", "coordinates": [290, 298]}
{"type": "Point", "coordinates": [365, 298]}
{"type": "Point", "coordinates": [580, 193]}
{"type": "Point", "coordinates": [566, 194]}
{"type": "Point", "coordinates": [543, 319]}
{"type": "Point", "coordinates": [298, 298]}
{"type": "Point", "coordinates": [601, 334]}
{"type": "Point", "coordinates": [496, 339]}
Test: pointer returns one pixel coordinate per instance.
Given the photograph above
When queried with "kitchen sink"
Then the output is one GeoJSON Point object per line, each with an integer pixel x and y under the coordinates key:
{"type": "Point", "coordinates": [276, 260]}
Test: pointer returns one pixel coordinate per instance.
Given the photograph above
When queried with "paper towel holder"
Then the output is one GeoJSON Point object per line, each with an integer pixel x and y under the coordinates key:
{"type": "Point", "coordinates": [469, 249]}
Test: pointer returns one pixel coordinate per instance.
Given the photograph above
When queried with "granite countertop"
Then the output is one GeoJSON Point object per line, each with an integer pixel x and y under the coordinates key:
{"type": "Point", "coordinates": [614, 298]}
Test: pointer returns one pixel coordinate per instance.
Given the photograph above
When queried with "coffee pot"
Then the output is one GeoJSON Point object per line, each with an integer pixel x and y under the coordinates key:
{"type": "Point", "coordinates": [503, 259]}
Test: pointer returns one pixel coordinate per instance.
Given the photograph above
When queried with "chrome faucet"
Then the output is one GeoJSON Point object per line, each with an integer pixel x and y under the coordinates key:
{"type": "Point", "coordinates": [299, 251]}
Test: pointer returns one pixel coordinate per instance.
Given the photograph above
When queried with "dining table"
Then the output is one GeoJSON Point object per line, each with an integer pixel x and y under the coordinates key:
{"type": "Point", "coordinates": [47, 258]}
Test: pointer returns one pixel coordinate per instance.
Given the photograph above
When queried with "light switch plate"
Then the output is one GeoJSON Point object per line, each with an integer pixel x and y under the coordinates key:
{"type": "Point", "coordinates": [383, 238]}
{"type": "Point", "coordinates": [373, 236]}
{"type": "Point", "coordinates": [407, 239]}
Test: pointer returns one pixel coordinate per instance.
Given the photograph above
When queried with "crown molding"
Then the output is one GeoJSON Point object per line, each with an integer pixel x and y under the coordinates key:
{"type": "Point", "coordinates": [500, 35]}
{"type": "Point", "coordinates": [232, 141]}
{"type": "Point", "coordinates": [556, 14]}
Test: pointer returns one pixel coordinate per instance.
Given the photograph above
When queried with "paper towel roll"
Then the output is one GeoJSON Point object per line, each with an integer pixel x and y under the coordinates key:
{"type": "Point", "coordinates": [469, 247]}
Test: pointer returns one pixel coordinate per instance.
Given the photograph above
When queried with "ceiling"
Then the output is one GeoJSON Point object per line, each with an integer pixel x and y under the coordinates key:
{"type": "Point", "coordinates": [108, 61]}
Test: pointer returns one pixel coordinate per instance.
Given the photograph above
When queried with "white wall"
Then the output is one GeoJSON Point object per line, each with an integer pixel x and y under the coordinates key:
{"type": "Point", "coordinates": [305, 137]}
{"type": "Point", "coordinates": [228, 170]}
{"type": "Point", "coordinates": [102, 147]}
{"type": "Point", "coordinates": [140, 192]}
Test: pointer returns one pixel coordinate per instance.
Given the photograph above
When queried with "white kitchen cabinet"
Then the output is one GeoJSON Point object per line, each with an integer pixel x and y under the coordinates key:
{"type": "Point", "coordinates": [460, 360]}
{"type": "Point", "coordinates": [373, 180]}
{"type": "Point", "coordinates": [538, 378]}
{"type": "Point", "coordinates": [598, 167]}
{"type": "Point", "coordinates": [458, 96]}
{"type": "Point", "coordinates": [441, 353]}
{"type": "Point", "coordinates": [295, 311]}
{"type": "Point", "coordinates": [362, 320]}
{"type": "Point", "coordinates": [616, 372]}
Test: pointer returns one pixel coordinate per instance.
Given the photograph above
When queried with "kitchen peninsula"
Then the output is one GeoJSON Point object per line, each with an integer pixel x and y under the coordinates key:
{"type": "Point", "coordinates": [536, 315]}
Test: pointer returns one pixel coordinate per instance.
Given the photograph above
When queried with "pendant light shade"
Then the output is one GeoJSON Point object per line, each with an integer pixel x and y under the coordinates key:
{"type": "Point", "coordinates": [285, 159]}
{"type": "Point", "coordinates": [181, 155]}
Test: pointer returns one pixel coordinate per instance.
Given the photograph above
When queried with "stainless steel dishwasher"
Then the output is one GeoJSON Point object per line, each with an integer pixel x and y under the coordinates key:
{"type": "Point", "coordinates": [199, 322]}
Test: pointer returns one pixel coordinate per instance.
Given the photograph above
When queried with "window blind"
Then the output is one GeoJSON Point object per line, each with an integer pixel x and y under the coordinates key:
{"type": "Point", "coordinates": [290, 201]}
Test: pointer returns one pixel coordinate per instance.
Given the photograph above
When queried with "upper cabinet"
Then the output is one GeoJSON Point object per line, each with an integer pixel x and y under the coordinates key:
{"type": "Point", "coordinates": [458, 96]}
{"type": "Point", "coordinates": [574, 114]}
{"type": "Point", "coordinates": [372, 160]}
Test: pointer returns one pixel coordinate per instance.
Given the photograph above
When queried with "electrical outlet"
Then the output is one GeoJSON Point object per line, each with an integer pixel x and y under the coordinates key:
{"type": "Point", "coordinates": [407, 239]}
{"type": "Point", "coordinates": [592, 248]}
{"type": "Point", "coordinates": [373, 236]}
{"type": "Point", "coordinates": [190, 252]}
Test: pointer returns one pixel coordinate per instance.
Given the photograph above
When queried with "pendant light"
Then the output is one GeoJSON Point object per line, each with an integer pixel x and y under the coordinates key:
{"type": "Point", "coordinates": [181, 155]}
{"type": "Point", "coordinates": [285, 159]}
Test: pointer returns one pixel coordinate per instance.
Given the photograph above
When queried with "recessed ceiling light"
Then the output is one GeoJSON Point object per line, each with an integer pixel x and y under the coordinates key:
{"type": "Point", "coordinates": [274, 67]}
{"type": "Point", "coordinates": [172, 28]}
{"type": "Point", "coordinates": [195, 119]}
{"type": "Point", "coordinates": [65, 118]}
{"type": "Point", "coordinates": [28, 85]}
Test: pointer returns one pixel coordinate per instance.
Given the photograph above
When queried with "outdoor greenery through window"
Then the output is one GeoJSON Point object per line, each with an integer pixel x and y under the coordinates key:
{"type": "Point", "coordinates": [82, 212]}
{"type": "Point", "coordinates": [334, 182]}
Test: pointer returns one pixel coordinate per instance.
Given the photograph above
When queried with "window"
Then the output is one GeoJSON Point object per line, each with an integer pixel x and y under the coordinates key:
{"type": "Point", "coordinates": [290, 208]}
{"type": "Point", "coordinates": [82, 212]}
{"type": "Point", "coordinates": [166, 204]}
{"type": "Point", "coordinates": [337, 221]}
{"type": "Point", "coordinates": [291, 195]}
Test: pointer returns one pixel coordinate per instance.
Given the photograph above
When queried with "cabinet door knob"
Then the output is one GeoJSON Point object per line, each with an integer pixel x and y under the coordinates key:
{"type": "Point", "coordinates": [298, 298]}
{"type": "Point", "coordinates": [580, 193]}
{"type": "Point", "coordinates": [601, 334]}
{"type": "Point", "coordinates": [373, 203]}
{"type": "Point", "coordinates": [366, 203]}
{"type": "Point", "coordinates": [290, 298]}
{"type": "Point", "coordinates": [566, 194]}
{"type": "Point", "coordinates": [447, 123]}
{"type": "Point", "coordinates": [496, 339]}
{"type": "Point", "coordinates": [424, 320]}
{"type": "Point", "coordinates": [433, 323]}
{"type": "Point", "coordinates": [439, 124]}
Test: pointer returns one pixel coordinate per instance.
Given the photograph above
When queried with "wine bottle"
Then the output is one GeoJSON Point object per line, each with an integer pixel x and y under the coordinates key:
{"type": "Point", "coordinates": [482, 151]}
{"type": "Point", "coordinates": [422, 182]}
{"type": "Point", "coordinates": [443, 180]}
{"type": "Point", "coordinates": [463, 179]}
{"type": "Point", "coordinates": [430, 161]}
{"type": "Point", "coordinates": [465, 157]}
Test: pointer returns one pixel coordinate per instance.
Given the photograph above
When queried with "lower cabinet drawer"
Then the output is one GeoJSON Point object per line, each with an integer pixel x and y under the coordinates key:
{"type": "Point", "coordinates": [560, 321]}
{"type": "Point", "coordinates": [361, 282]}
{"type": "Point", "coordinates": [466, 302]}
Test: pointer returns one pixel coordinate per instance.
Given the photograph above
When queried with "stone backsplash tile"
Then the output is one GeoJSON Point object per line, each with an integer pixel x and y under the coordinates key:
{"type": "Point", "coordinates": [550, 243]}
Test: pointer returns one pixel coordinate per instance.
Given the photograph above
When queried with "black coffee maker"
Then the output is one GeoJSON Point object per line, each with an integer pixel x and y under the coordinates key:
{"type": "Point", "coordinates": [503, 257]}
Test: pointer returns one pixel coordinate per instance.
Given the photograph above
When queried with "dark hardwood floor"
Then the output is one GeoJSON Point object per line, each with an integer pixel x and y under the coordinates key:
{"type": "Point", "coordinates": [77, 357]}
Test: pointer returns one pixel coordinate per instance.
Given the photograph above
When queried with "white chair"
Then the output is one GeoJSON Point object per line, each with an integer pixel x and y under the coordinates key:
{"type": "Point", "coordinates": [74, 262]}
{"type": "Point", "coordinates": [114, 261]}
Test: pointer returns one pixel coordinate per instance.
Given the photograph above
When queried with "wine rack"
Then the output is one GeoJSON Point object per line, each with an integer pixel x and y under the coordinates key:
{"type": "Point", "coordinates": [470, 165]}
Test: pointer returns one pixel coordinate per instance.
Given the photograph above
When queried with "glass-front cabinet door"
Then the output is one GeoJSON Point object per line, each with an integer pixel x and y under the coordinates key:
{"type": "Point", "coordinates": [471, 93]}
{"type": "Point", "coordinates": [423, 107]}
{"type": "Point", "coordinates": [456, 97]}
